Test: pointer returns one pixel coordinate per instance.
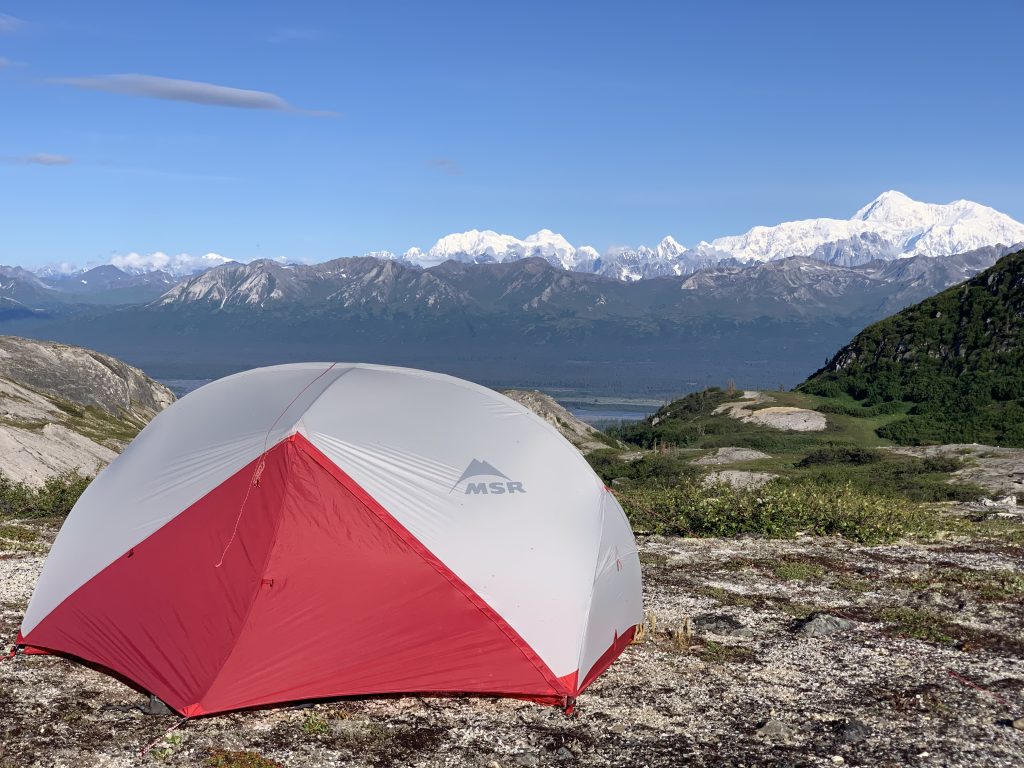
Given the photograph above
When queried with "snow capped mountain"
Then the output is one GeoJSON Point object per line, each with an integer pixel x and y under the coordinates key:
{"type": "Point", "coordinates": [791, 238]}
{"type": "Point", "coordinates": [891, 226]}
{"type": "Point", "coordinates": [476, 247]}
{"type": "Point", "coordinates": [938, 230]}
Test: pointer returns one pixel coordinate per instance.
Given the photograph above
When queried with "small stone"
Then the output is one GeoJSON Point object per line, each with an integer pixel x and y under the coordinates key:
{"type": "Point", "coordinates": [155, 707]}
{"type": "Point", "coordinates": [717, 624]}
{"type": "Point", "coordinates": [494, 764]}
{"type": "Point", "coordinates": [776, 729]}
{"type": "Point", "coordinates": [1019, 723]}
{"type": "Point", "coordinates": [854, 732]}
{"type": "Point", "coordinates": [527, 760]}
{"type": "Point", "coordinates": [347, 729]}
{"type": "Point", "coordinates": [838, 759]}
{"type": "Point", "coordinates": [618, 728]}
{"type": "Point", "coordinates": [825, 625]}
{"type": "Point", "coordinates": [564, 753]}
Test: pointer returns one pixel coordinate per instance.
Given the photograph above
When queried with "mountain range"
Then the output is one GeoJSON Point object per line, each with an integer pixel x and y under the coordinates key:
{"type": "Point", "coordinates": [891, 226]}
{"type": "Point", "coordinates": [766, 312]}
{"type": "Point", "coordinates": [523, 323]}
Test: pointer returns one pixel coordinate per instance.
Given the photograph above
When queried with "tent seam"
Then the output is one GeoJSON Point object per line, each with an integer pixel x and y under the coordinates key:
{"type": "Point", "coordinates": [590, 603]}
{"type": "Point", "coordinates": [302, 417]}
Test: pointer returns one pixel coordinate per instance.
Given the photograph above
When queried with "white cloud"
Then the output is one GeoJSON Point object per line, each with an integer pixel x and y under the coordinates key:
{"type": "Point", "coordinates": [46, 158]}
{"type": "Point", "coordinates": [180, 264]}
{"type": "Point", "coordinates": [196, 92]}
{"type": "Point", "coordinates": [10, 23]}
{"type": "Point", "coordinates": [39, 158]}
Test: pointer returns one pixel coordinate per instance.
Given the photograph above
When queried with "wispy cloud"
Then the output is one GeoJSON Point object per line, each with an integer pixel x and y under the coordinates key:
{"type": "Point", "coordinates": [40, 158]}
{"type": "Point", "coordinates": [10, 23]}
{"type": "Point", "coordinates": [290, 34]}
{"type": "Point", "coordinates": [446, 166]}
{"type": "Point", "coordinates": [192, 91]}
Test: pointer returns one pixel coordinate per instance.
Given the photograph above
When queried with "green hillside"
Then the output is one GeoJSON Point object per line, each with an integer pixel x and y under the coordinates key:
{"type": "Point", "coordinates": [954, 364]}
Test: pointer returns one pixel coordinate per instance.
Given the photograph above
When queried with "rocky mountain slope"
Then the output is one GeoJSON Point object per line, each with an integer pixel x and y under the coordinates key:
{"type": "Point", "coordinates": [585, 437]}
{"type": "Point", "coordinates": [65, 408]}
{"type": "Point", "coordinates": [798, 286]}
{"type": "Point", "coordinates": [524, 322]}
{"type": "Point", "coordinates": [954, 363]}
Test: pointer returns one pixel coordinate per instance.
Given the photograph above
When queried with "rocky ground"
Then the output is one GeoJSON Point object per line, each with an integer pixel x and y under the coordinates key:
{"type": "Point", "coordinates": [751, 409]}
{"type": "Point", "coordinates": [755, 652]}
{"type": "Point", "coordinates": [1001, 470]}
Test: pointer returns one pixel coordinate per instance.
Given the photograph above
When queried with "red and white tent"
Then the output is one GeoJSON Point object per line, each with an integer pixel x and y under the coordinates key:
{"type": "Point", "coordinates": [320, 530]}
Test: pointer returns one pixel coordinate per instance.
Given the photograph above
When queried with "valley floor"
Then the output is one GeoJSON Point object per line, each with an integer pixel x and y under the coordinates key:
{"type": "Point", "coordinates": [926, 667]}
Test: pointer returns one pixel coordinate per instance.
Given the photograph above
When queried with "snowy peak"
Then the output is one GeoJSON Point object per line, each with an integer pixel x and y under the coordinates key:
{"type": "Point", "coordinates": [891, 226]}
{"type": "Point", "coordinates": [894, 209]}
{"type": "Point", "coordinates": [888, 207]}
{"type": "Point", "coordinates": [668, 248]}
{"type": "Point", "coordinates": [935, 230]}
{"type": "Point", "coordinates": [481, 247]}
{"type": "Point", "coordinates": [472, 246]}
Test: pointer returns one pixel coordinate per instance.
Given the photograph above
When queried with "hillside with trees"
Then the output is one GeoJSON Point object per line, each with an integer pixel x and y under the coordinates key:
{"type": "Point", "coordinates": [953, 364]}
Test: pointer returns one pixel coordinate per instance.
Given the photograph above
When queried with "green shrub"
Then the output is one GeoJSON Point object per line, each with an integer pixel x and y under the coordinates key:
{"type": "Point", "coordinates": [945, 464]}
{"type": "Point", "coordinates": [657, 469]}
{"type": "Point", "coordinates": [896, 476]}
{"type": "Point", "coordinates": [779, 509]}
{"type": "Point", "coordinates": [54, 498]}
{"type": "Point", "coordinates": [885, 408]}
{"type": "Point", "coordinates": [832, 454]}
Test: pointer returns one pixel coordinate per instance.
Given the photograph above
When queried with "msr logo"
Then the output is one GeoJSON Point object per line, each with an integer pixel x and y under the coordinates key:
{"type": "Point", "coordinates": [479, 468]}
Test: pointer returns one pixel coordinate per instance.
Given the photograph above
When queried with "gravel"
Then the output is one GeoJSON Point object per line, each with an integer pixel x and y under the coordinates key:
{"type": "Point", "coordinates": [741, 688]}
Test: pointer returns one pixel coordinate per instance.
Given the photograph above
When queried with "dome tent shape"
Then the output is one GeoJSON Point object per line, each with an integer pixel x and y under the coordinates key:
{"type": "Point", "coordinates": [318, 530]}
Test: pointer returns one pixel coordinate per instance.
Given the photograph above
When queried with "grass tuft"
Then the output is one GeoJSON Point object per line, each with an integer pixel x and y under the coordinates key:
{"type": "Point", "coordinates": [720, 653]}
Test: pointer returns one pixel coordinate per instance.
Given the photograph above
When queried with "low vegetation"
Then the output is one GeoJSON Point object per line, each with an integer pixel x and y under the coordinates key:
{"type": "Point", "coordinates": [780, 509]}
{"type": "Point", "coordinates": [843, 480]}
{"type": "Point", "coordinates": [53, 499]}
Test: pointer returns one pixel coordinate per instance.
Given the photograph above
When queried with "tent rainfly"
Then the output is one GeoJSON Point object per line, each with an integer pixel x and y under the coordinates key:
{"type": "Point", "coordinates": [321, 530]}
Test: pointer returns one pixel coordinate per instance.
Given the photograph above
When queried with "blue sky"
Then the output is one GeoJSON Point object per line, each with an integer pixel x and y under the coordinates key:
{"type": "Point", "coordinates": [385, 125]}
